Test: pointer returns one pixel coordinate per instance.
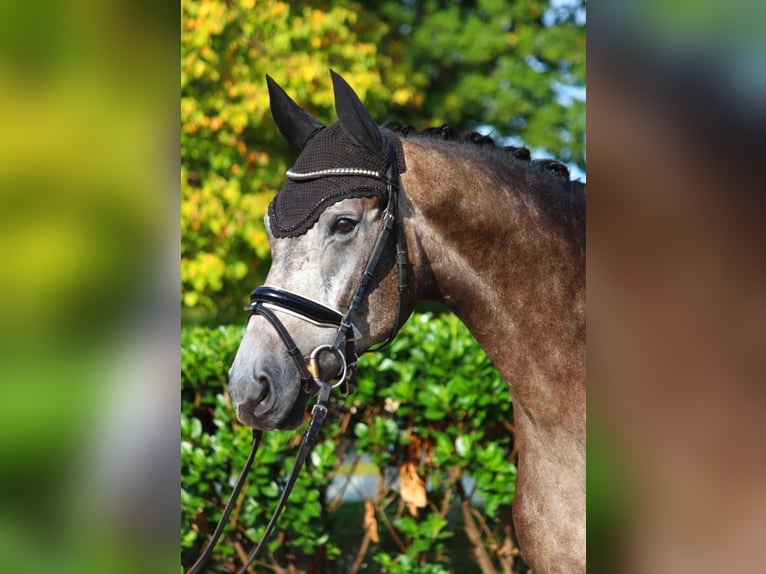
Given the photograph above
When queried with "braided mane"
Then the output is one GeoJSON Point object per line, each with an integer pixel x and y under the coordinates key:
{"type": "Point", "coordinates": [447, 132]}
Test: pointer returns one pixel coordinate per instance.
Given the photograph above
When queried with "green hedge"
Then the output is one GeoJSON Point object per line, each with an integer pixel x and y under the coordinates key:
{"type": "Point", "coordinates": [431, 406]}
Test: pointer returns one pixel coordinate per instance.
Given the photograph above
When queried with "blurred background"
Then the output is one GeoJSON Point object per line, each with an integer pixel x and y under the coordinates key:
{"type": "Point", "coordinates": [92, 261]}
{"type": "Point", "coordinates": [676, 287]}
{"type": "Point", "coordinates": [89, 320]}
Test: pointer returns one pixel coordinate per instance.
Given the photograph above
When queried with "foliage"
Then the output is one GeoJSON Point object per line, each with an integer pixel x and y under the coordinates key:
{"type": "Point", "coordinates": [232, 156]}
{"type": "Point", "coordinates": [509, 65]}
{"type": "Point", "coordinates": [518, 67]}
{"type": "Point", "coordinates": [437, 432]}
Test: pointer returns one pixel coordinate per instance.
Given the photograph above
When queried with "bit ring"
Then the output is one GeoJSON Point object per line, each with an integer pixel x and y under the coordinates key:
{"type": "Point", "coordinates": [313, 364]}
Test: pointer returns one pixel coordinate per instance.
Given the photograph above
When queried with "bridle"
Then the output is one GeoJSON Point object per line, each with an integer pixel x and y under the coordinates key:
{"type": "Point", "coordinates": [264, 301]}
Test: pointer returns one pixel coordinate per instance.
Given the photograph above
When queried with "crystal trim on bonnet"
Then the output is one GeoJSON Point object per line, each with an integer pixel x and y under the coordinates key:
{"type": "Point", "coordinates": [330, 172]}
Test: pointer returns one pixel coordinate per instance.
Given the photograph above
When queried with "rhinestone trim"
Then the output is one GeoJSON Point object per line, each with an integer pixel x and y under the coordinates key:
{"type": "Point", "coordinates": [330, 172]}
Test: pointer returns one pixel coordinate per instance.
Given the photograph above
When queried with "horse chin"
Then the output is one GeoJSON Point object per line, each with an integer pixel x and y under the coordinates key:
{"type": "Point", "coordinates": [296, 415]}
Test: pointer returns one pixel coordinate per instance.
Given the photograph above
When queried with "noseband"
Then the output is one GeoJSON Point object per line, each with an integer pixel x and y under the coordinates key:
{"type": "Point", "coordinates": [264, 301]}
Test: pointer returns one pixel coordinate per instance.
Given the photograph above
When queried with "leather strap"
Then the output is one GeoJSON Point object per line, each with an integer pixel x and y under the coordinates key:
{"type": "Point", "coordinates": [318, 414]}
{"type": "Point", "coordinates": [205, 556]}
{"type": "Point", "coordinates": [301, 306]}
{"type": "Point", "coordinates": [292, 348]}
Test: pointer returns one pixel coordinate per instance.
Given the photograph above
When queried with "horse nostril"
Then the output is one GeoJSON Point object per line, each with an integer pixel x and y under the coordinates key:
{"type": "Point", "coordinates": [264, 384]}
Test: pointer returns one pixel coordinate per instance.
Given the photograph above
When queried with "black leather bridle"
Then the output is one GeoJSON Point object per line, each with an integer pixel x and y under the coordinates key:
{"type": "Point", "coordinates": [264, 301]}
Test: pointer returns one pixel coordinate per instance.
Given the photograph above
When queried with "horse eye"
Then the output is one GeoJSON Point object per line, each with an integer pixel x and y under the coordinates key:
{"type": "Point", "coordinates": [343, 225]}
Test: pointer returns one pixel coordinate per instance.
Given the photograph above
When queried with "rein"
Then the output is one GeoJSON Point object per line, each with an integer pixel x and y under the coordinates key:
{"type": "Point", "coordinates": [318, 414]}
{"type": "Point", "coordinates": [265, 300]}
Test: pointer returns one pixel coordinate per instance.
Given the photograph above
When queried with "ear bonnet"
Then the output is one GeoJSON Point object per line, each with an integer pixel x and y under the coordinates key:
{"type": "Point", "coordinates": [329, 169]}
{"type": "Point", "coordinates": [350, 158]}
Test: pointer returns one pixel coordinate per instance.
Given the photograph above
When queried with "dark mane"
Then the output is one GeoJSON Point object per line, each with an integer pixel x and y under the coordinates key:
{"type": "Point", "coordinates": [546, 180]}
{"type": "Point", "coordinates": [447, 133]}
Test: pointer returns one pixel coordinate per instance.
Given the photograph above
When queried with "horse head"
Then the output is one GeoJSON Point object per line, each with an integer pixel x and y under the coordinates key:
{"type": "Point", "coordinates": [324, 227]}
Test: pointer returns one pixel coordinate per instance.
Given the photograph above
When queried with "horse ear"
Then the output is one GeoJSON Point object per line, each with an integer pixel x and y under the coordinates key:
{"type": "Point", "coordinates": [295, 124]}
{"type": "Point", "coordinates": [354, 117]}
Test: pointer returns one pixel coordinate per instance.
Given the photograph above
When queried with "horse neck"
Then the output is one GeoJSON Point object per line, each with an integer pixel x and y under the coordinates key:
{"type": "Point", "coordinates": [510, 265]}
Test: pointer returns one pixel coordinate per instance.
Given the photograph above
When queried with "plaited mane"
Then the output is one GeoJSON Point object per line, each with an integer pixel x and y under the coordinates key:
{"type": "Point", "coordinates": [544, 181]}
{"type": "Point", "coordinates": [447, 132]}
{"type": "Point", "coordinates": [329, 169]}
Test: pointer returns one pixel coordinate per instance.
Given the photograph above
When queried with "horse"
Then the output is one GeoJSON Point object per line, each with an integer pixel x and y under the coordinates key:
{"type": "Point", "coordinates": [495, 236]}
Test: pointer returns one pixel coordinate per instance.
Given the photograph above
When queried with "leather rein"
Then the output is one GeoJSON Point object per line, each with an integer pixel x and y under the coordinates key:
{"type": "Point", "coordinates": [265, 300]}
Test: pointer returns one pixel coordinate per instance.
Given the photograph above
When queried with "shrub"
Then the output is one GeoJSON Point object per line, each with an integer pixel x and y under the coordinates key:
{"type": "Point", "coordinates": [430, 418]}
